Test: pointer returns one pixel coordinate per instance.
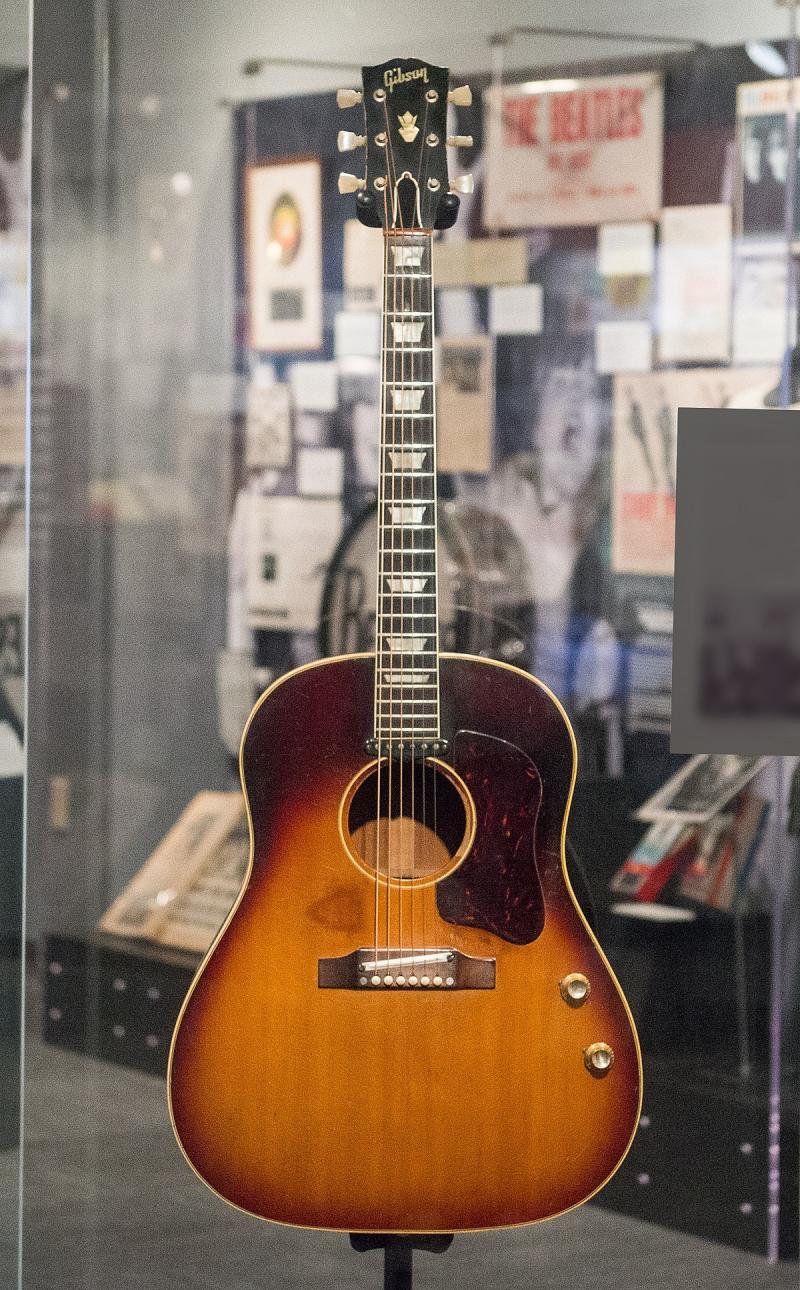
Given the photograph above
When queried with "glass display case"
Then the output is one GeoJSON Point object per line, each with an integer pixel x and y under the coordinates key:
{"type": "Point", "coordinates": [207, 387]}
{"type": "Point", "coordinates": [14, 314]}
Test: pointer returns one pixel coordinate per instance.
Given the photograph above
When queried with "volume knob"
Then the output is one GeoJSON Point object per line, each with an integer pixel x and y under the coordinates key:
{"type": "Point", "coordinates": [598, 1059]}
{"type": "Point", "coordinates": [348, 98]}
{"type": "Point", "coordinates": [350, 183]}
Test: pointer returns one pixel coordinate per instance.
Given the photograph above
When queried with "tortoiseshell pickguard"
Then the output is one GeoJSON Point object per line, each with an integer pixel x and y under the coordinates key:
{"type": "Point", "coordinates": [497, 886]}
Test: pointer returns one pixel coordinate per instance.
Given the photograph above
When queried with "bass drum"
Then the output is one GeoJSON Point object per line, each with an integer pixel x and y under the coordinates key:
{"type": "Point", "coordinates": [485, 604]}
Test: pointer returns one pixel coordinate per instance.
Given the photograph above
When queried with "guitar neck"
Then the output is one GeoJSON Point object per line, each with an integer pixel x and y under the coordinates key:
{"type": "Point", "coordinates": [407, 611]}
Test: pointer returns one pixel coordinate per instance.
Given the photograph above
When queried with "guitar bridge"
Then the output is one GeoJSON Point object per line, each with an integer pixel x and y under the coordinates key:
{"type": "Point", "coordinates": [406, 969]}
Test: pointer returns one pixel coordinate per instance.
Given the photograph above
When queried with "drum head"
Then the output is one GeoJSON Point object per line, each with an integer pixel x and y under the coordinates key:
{"type": "Point", "coordinates": [484, 587]}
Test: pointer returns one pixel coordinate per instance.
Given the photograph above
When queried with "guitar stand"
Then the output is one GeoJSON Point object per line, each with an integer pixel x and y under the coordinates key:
{"type": "Point", "coordinates": [398, 1254]}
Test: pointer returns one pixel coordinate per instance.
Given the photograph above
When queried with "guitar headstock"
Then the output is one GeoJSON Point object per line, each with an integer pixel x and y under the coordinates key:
{"type": "Point", "coordinates": [406, 184]}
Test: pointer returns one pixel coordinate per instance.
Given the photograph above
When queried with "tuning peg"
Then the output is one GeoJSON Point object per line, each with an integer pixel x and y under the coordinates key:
{"type": "Point", "coordinates": [461, 96]}
{"type": "Point", "coordinates": [350, 183]}
{"type": "Point", "coordinates": [459, 140]}
{"type": "Point", "coordinates": [348, 98]}
{"type": "Point", "coordinates": [462, 184]}
{"type": "Point", "coordinates": [346, 141]}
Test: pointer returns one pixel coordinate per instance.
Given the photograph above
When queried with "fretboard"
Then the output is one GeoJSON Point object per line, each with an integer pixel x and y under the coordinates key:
{"type": "Point", "coordinates": [407, 622]}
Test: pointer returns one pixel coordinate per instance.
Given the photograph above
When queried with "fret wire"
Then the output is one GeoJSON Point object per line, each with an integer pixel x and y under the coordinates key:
{"type": "Point", "coordinates": [409, 705]}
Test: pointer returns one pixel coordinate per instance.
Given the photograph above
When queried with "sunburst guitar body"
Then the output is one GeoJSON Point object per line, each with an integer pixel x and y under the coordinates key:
{"type": "Point", "coordinates": [405, 1024]}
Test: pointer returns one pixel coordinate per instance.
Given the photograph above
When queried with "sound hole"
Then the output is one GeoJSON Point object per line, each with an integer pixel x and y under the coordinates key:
{"type": "Point", "coordinates": [415, 825]}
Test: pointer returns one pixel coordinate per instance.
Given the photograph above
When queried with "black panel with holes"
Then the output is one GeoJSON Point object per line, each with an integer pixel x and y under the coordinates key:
{"type": "Point", "coordinates": [114, 999]}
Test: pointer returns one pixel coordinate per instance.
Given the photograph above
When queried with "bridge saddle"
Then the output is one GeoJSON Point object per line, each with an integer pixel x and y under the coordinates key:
{"type": "Point", "coordinates": [406, 969]}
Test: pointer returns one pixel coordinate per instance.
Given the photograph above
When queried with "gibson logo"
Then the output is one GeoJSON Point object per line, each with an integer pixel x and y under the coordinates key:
{"type": "Point", "coordinates": [397, 77]}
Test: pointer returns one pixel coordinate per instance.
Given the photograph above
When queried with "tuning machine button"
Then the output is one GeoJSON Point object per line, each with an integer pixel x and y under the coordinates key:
{"type": "Point", "coordinates": [598, 1059]}
{"type": "Point", "coordinates": [459, 140]}
{"type": "Point", "coordinates": [350, 183]}
{"type": "Point", "coordinates": [461, 96]}
{"type": "Point", "coordinates": [462, 184]}
{"type": "Point", "coordinates": [348, 98]}
{"type": "Point", "coordinates": [347, 141]}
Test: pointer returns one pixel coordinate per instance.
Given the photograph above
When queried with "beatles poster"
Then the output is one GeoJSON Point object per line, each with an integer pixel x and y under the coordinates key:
{"type": "Point", "coordinates": [569, 153]}
{"type": "Point", "coordinates": [764, 159]}
{"type": "Point", "coordinates": [284, 255]}
{"type": "Point", "coordinates": [645, 420]}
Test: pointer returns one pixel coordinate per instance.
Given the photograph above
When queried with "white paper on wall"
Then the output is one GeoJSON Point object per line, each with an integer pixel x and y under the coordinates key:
{"type": "Point", "coordinates": [290, 543]}
{"type": "Point", "coordinates": [695, 284]}
{"type": "Point", "coordinates": [456, 312]}
{"type": "Point", "coordinates": [268, 443]}
{"type": "Point", "coordinates": [759, 309]}
{"type": "Point", "coordinates": [623, 347]}
{"type": "Point", "coordinates": [362, 270]}
{"type": "Point", "coordinates": [320, 472]}
{"type": "Point", "coordinates": [314, 386]}
{"type": "Point", "coordinates": [626, 250]}
{"type": "Point", "coordinates": [357, 333]}
{"type": "Point", "coordinates": [516, 311]}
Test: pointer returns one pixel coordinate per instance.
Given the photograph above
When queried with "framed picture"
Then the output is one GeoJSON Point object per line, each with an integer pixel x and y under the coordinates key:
{"type": "Point", "coordinates": [465, 404]}
{"type": "Point", "coordinates": [644, 431]}
{"type": "Point", "coordinates": [283, 247]}
{"type": "Point", "coordinates": [183, 892]}
{"type": "Point", "coordinates": [586, 152]}
{"type": "Point", "coordinates": [763, 169]}
{"type": "Point", "coordinates": [701, 788]}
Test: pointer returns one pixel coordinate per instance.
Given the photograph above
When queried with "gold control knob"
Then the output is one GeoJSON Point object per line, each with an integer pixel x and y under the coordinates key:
{"type": "Point", "coordinates": [350, 183]}
{"type": "Point", "coordinates": [575, 989]}
{"type": "Point", "coordinates": [461, 96]}
{"type": "Point", "coordinates": [462, 184]}
{"type": "Point", "coordinates": [459, 140]}
{"type": "Point", "coordinates": [346, 141]}
{"type": "Point", "coordinates": [598, 1059]}
{"type": "Point", "coordinates": [348, 98]}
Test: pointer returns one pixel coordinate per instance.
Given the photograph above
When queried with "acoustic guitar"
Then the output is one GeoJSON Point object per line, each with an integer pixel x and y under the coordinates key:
{"type": "Point", "coordinates": [405, 1023]}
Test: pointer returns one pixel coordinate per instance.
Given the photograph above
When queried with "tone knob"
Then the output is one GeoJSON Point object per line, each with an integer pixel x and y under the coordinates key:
{"type": "Point", "coordinates": [348, 98]}
{"type": "Point", "coordinates": [461, 96]}
{"type": "Point", "coordinates": [350, 183]}
{"type": "Point", "coordinates": [575, 989]}
{"type": "Point", "coordinates": [462, 184]}
{"type": "Point", "coordinates": [346, 141]}
{"type": "Point", "coordinates": [459, 140]}
{"type": "Point", "coordinates": [598, 1059]}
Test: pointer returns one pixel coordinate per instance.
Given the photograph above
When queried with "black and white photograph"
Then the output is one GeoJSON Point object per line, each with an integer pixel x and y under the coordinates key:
{"type": "Point", "coordinates": [701, 788]}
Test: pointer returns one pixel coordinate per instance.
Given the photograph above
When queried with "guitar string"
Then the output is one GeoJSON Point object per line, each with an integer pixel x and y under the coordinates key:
{"type": "Point", "coordinates": [426, 245]}
{"type": "Point", "coordinates": [392, 188]}
{"type": "Point", "coordinates": [409, 275]}
{"type": "Point", "coordinates": [412, 762]}
{"type": "Point", "coordinates": [379, 626]}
